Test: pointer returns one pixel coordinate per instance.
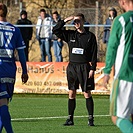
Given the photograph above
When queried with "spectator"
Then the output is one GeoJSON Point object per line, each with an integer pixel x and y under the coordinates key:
{"type": "Point", "coordinates": [109, 20]}
{"type": "Point", "coordinates": [57, 42]}
{"type": "Point", "coordinates": [44, 34]}
{"type": "Point", "coordinates": [25, 31]}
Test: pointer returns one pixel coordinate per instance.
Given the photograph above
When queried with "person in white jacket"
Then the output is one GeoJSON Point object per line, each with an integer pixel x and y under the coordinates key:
{"type": "Point", "coordinates": [44, 35]}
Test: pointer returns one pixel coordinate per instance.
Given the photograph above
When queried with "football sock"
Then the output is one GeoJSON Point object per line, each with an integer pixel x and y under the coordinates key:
{"type": "Point", "coordinates": [71, 108]}
{"type": "Point", "coordinates": [1, 125]}
{"type": "Point", "coordinates": [90, 106]}
{"type": "Point", "coordinates": [125, 125]}
{"type": "Point", "coordinates": [6, 119]}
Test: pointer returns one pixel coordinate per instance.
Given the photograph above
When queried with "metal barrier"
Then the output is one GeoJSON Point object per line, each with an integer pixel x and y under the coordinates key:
{"type": "Point", "coordinates": [34, 49]}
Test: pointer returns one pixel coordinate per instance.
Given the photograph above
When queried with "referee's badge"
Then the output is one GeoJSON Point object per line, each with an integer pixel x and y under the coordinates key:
{"type": "Point", "coordinates": [77, 51]}
{"type": "Point", "coordinates": [72, 41]}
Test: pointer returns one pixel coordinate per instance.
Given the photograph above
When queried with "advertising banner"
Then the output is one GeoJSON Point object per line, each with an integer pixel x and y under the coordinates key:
{"type": "Point", "coordinates": [50, 78]}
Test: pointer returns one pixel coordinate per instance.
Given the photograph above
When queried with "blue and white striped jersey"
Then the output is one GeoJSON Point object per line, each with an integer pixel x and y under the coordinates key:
{"type": "Point", "coordinates": [10, 39]}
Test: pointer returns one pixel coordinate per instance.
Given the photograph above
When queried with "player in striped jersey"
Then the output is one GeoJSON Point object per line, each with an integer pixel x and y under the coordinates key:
{"type": "Point", "coordinates": [10, 39]}
{"type": "Point", "coordinates": [120, 53]}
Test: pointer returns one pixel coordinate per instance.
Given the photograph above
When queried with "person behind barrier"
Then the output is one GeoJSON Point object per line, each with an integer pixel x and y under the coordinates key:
{"type": "Point", "coordinates": [25, 31]}
{"type": "Point", "coordinates": [107, 28]}
{"type": "Point", "coordinates": [57, 42]}
{"type": "Point", "coordinates": [44, 35]}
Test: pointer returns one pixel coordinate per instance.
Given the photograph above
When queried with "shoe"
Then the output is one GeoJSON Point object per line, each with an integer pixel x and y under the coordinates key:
{"type": "Point", "coordinates": [91, 122]}
{"type": "Point", "coordinates": [68, 123]}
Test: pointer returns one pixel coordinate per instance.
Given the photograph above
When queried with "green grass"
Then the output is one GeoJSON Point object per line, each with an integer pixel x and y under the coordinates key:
{"type": "Point", "coordinates": [37, 114]}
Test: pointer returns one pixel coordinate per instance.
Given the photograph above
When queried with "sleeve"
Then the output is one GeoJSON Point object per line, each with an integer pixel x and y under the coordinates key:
{"type": "Point", "coordinates": [60, 32]}
{"type": "Point", "coordinates": [94, 53]}
{"type": "Point", "coordinates": [112, 46]}
{"type": "Point", "coordinates": [30, 30]}
{"type": "Point", "coordinates": [51, 23]}
{"type": "Point", "coordinates": [19, 40]}
{"type": "Point", "coordinates": [22, 60]}
{"type": "Point", "coordinates": [17, 22]}
{"type": "Point", "coordinates": [39, 21]}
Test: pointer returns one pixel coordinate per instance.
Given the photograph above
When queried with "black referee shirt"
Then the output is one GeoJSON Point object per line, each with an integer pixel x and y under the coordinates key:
{"type": "Point", "coordinates": [82, 46]}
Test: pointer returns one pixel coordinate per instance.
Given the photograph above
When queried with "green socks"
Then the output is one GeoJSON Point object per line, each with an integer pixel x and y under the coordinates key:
{"type": "Point", "coordinates": [125, 125]}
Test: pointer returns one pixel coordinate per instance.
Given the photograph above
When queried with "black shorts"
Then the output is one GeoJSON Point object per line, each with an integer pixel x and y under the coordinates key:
{"type": "Point", "coordinates": [77, 74]}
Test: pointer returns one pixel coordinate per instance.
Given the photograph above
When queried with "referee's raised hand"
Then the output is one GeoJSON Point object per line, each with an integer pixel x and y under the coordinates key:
{"type": "Point", "coordinates": [68, 19]}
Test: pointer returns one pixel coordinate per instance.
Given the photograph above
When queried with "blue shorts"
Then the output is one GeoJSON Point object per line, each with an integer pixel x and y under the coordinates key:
{"type": "Point", "coordinates": [6, 90]}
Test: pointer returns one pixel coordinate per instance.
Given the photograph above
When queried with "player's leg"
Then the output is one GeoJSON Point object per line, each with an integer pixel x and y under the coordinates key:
{"type": "Point", "coordinates": [5, 115]}
{"type": "Point", "coordinates": [73, 84]}
{"type": "Point", "coordinates": [90, 107]}
{"type": "Point", "coordinates": [124, 124]}
{"type": "Point", "coordinates": [87, 84]}
{"type": "Point", "coordinates": [71, 108]}
{"type": "Point", "coordinates": [121, 105]}
{"type": "Point", "coordinates": [6, 90]}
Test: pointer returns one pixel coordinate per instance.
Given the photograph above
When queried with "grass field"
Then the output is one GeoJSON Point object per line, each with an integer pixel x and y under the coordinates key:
{"type": "Point", "coordinates": [47, 113]}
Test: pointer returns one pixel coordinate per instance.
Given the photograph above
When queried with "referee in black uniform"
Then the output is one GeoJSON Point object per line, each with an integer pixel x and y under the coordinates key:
{"type": "Point", "coordinates": [82, 65]}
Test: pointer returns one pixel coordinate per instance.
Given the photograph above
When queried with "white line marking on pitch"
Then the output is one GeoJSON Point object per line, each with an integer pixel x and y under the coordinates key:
{"type": "Point", "coordinates": [56, 117]}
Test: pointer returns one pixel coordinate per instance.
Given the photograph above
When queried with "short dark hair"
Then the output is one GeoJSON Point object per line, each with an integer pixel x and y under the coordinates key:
{"type": "Point", "coordinates": [55, 12]}
{"type": "Point", "coordinates": [80, 15]}
{"type": "Point", "coordinates": [3, 10]}
{"type": "Point", "coordinates": [42, 10]}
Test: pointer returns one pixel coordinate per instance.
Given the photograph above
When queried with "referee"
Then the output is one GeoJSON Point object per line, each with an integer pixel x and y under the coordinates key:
{"type": "Point", "coordinates": [82, 65]}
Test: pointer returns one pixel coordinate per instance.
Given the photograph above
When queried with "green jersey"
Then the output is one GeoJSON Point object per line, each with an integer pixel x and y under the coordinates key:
{"type": "Point", "coordinates": [120, 47]}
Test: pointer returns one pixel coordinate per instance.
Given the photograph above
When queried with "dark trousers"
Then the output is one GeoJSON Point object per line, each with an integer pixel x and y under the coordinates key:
{"type": "Point", "coordinates": [26, 49]}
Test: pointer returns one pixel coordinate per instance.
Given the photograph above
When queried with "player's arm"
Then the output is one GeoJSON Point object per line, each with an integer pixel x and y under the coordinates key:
{"type": "Point", "coordinates": [111, 50]}
{"type": "Point", "coordinates": [113, 44]}
{"type": "Point", "coordinates": [94, 56]}
{"type": "Point", "coordinates": [20, 48]}
{"type": "Point", "coordinates": [22, 60]}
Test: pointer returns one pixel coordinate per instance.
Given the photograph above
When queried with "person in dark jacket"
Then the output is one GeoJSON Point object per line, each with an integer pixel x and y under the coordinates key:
{"type": "Point", "coordinates": [25, 31]}
{"type": "Point", "coordinates": [82, 63]}
{"type": "Point", "coordinates": [109, 20]}
{"type": "Point", "coordinates": [57, 42]}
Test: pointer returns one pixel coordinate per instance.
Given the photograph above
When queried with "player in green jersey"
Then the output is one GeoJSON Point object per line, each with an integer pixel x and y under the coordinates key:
{"type": "Point", "coordinates": [120, 54]}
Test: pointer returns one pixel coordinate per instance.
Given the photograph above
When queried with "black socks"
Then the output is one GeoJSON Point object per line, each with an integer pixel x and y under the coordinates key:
{"type": "Point", "coordinates": [90, 106]}
{"type": "Point", "coordinates": [71, 108]}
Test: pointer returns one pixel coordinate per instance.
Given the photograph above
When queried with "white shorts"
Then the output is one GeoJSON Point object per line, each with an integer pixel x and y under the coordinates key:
{"type": "Point", "coordinates": [121, 99]}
